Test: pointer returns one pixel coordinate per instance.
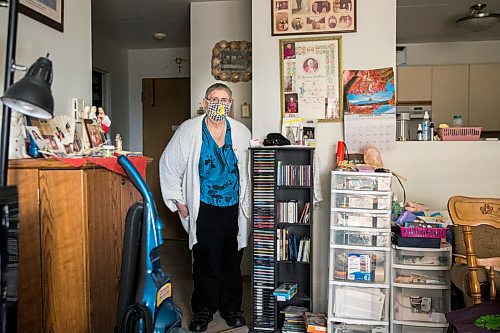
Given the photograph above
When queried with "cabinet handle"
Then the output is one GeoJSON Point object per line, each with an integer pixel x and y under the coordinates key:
{"type": "Point", "coordinates": [123, 181]}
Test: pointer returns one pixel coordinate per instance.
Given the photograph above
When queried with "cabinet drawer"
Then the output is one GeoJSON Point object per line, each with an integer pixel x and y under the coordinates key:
{"type": "Point", "coordinates": [344, 328]}
{"type": "Point", "coordinates": [361, 200]}
{"type": "Point", "coordinates": [347, 300]}
{"type": "Point", "coordinates": [422, 258]}
{"type": "Point", "coordinates": [361, 181]}
{"type": "Point", "coordinates": [360, 237]}
{"type": "Point", "coordinates": [398, 328]}
{"type": "Point", "coordinates": [359, 266]}
{"type": "Point", "coordinates": [423, 305]}
{"type": "Point", "coordinates": [433, 279]}
{"type": "Point", "coordinates": [363, 219]}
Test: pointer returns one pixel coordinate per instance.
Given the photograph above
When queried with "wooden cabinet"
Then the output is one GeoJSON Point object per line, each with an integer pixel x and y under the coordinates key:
{"type": "Point", "coordinates": [71, 229]}
{"type": "Point", "coordinates": [484, 98]}
{"type": "Point", "coordinates": [450, 93]}
{"type": "Point", "coordinates": [414, 84]}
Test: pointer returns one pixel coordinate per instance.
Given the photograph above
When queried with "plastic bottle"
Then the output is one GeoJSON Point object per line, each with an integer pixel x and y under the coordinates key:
{"type": "Point", "coordinates": [419, 133]}
{"type": "Point", "coordinates": [119, 142]}
{"type": "Point", "coordinates": [457, 120]}
{"type": "Point", "coordinates": [426, 127]}
{"type": "Point", "coordinates": [431, 131]}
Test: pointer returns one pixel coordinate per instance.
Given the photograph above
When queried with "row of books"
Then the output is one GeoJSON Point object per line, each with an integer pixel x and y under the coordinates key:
{"type": "Point", "coordinates": [288, 212]}
{"type": "Point", "coordinates": [263, 241]}
{"type": "Point", "coordinates": [293, 175]}
{"type": "Point", "coordinates": [290, 247]}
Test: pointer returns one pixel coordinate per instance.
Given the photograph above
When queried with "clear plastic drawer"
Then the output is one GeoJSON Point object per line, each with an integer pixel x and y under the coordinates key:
{"type": "Point", "coordinates": [397, 328]}
{"type": "Point", "coordinates": [358, 266]}
{"type": "Point", "coordinates": [422, 257]}
{"type": "Point", "coordinates": [359, 303]}
{"type": "Point", "coordinates": [360, 200]}
{"type": "Point", "coordinates": [361, 182]}
{"type": "Point", "coordinates": [345, 328]}
{"type": "Point", "coordinates": [360, 237]}
{"type": "Point", "coordinates": [423, 305]}
{"type": "Point", "coordinates": [424, 278]}
{"type": "Point", "coordinates": [353, 218]}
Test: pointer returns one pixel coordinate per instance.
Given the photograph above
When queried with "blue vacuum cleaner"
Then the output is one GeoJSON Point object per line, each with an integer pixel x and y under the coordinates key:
{"type": "Point", "coordinates": [145, 302]}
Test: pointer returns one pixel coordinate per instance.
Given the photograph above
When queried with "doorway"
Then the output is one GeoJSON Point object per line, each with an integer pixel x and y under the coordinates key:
{"type": "Point", "coordinates": [166, 103]}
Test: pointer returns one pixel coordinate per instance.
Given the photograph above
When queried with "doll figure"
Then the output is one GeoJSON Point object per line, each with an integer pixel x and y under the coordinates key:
{"type": "Point", "coordinates": [93, 113]}
{"type": "Point", "coordinates": [104, 121]}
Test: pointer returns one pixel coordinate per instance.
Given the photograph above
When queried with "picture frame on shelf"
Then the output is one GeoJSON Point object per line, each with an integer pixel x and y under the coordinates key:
{"type": "Point", "coordinates": [48, 12]}
{"type": "Point", "coordinates": [311, 78]}
{"type": "Point", "coordinates": [94, 132]}
{"type": "Point", "coordinates": [294, 17]}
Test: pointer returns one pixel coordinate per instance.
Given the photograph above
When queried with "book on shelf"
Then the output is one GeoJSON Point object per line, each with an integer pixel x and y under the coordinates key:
{"type": "Point", "coordinates": [304, 215]}
{"type": "Point", "coordinates": [315, 322]}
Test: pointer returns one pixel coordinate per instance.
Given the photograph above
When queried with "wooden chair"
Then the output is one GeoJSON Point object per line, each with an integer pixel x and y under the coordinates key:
{"type": "Point", "coordinates": [469, 212]}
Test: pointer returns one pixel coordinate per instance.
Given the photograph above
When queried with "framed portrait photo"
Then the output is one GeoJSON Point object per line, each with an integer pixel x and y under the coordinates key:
{"type": "Point", "coordinates": [94, 132]}
{"type": "Point", "coordinates": [49, 12]}
{"type": "Point", "coordinates": [293, 17]}
{"type": "Point", "coordinates": [311, 78]}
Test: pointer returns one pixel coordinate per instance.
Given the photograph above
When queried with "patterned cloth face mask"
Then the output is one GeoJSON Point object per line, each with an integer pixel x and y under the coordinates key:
{"type": "Point", "coordinates": [218, 110]}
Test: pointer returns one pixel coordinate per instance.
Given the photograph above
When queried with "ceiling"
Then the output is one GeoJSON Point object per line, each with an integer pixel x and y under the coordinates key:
{"type": "Point", "coordinates": [131, 23]}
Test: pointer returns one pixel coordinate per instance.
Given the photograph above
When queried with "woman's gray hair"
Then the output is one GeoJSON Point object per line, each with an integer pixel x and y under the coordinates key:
{"type": "Point", "coordinates": [218, 86]}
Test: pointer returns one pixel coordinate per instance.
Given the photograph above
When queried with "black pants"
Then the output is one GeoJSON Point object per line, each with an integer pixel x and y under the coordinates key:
{"type": "Point", "coordinates": [216, 266]}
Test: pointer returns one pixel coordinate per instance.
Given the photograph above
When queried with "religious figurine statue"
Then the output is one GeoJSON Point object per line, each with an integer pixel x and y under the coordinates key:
{"type": "Point", "coordinates": [104, 121]}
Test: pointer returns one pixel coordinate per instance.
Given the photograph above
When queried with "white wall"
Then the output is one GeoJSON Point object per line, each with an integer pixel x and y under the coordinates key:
{"type": "Point", "coordinates": [152, 63]}
{"type": "Point", "coordinates": [438, 170]}
{"type": "Point", "coordinates": [372, 46]}
{"type": "Point", "coordinates": [453, 53]}
{"type": "Point", "coordinates": [70, 52]}
{"type": "Point", "coordinates": [111, 58]}
{"type": "Point", "coordinates": [229, 20]}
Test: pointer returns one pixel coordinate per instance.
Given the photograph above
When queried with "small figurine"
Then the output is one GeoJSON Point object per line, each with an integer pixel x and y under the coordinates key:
{"type": "Point", "coordinates": [93, 113]}
{"type": "Point", "coordinates": [104, 121]}
{"type": "Point", "coordinates": [86, 112]}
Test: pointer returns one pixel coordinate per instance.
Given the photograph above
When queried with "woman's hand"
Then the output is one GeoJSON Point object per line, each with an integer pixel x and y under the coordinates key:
{"type": "Point", "coordinates": [182, 209]}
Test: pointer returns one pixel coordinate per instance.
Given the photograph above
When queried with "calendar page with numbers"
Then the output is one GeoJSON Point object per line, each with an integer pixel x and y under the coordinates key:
{"type": "Point", "coordinates": [363, 131]}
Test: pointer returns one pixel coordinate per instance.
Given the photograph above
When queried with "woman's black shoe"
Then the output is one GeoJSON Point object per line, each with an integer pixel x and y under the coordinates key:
{"type": "Point", "coordinates": [234, 319]}
{"type": "Point", "coordinates": [200, 320]}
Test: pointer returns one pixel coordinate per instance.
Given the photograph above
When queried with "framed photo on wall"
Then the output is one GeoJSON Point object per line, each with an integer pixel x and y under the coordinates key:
{"type": "Point", "coordinates": [293, 17]}
{"type": "Point", "coordinates": [311, 78]}
{"type": "Point", "coordinates": [49, 12]}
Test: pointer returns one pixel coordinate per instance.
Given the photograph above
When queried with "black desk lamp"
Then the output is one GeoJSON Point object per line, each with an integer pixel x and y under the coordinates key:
{"type": "Point", "coordinates": [30, 96]}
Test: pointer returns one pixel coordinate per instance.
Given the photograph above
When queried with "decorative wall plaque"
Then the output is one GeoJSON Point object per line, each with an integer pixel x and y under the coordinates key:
{"type": "Point", "coordinates": [232, 61]}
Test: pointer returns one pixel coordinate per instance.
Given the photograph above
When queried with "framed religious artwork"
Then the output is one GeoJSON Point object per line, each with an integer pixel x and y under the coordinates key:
{"type": "Point", "coordinates": [49, 12]}
{"type": "Point", "coordinates": [293, 17]}
{"type": "Point", "coordinates": [94, 132]}
{"type": "Point", "coordinates": [232, 61]}
{"type": "Point", "coordinates": [311, 78]}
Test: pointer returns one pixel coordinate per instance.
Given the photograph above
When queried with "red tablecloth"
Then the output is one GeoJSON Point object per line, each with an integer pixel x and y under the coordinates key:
{"type": "Point", "coordinates": [109, 163]}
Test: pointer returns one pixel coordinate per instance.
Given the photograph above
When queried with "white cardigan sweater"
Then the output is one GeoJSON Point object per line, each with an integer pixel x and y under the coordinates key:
{"type": "Point", "coordinates": [180, 179]}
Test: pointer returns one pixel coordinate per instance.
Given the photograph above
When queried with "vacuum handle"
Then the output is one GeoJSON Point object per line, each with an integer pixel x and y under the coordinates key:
{"type": "Point", "coordinates": [134, 175]}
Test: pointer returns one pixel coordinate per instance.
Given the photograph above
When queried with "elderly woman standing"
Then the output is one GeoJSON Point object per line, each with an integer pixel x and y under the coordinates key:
{"type": "Point", "coordinates": [204, 176]}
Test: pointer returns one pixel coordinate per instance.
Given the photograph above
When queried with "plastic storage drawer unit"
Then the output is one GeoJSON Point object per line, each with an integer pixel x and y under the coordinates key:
{"type": "Point", "coordinates": [361, 181]}
{"type": "Point", "coordinates": [354, 303]}
{"type": "Point", "coordinates": [361, 200]}
{"type": "Point", "coordinates": [421, 304]}
{"type": "Point", "coordinates": [361, 219]}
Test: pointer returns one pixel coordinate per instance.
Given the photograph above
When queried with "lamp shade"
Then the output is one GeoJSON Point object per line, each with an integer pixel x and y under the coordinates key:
{"type": "Point", "coordinates": [32, 95]}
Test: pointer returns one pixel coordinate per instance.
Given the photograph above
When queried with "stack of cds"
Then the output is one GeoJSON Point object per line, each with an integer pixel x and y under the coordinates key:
{"type": "Point", "coordinates": [294, 319]}
{"type": "Point", "coordinates": [263, 240]}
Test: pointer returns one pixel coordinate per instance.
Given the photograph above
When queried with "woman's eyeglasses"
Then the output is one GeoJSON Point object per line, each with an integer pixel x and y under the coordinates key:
{"type": "Point", "coordinates": [216, 100]}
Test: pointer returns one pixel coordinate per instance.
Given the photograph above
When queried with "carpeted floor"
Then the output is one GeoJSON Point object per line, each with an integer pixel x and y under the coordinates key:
{"type": "Point", "coordinates": [176, 262]}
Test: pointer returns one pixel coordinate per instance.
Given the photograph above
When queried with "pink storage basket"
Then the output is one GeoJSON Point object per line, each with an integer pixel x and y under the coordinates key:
{"type": "Point", "coordinates": [460, 133]}
{"type": "Point", "coordinates": [417, 232]}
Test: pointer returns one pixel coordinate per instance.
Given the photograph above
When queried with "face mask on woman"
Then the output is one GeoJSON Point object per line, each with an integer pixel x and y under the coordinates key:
{"type": "Point", "coordinates": [218, 110]}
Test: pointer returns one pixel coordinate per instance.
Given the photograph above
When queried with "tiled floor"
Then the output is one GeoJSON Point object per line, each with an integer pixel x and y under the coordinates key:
{"type": "Point", "coordinates": [176, 262]}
